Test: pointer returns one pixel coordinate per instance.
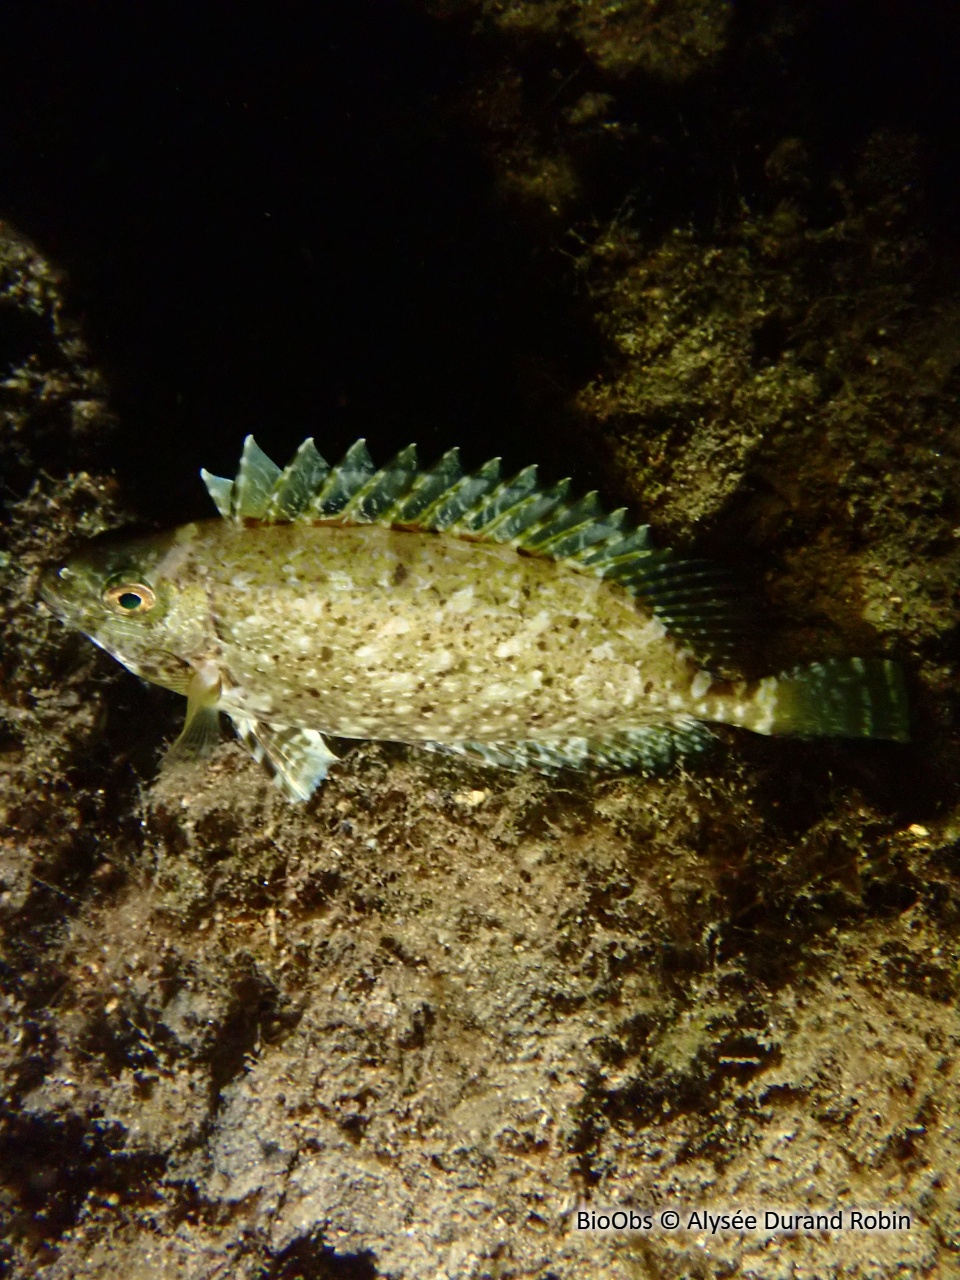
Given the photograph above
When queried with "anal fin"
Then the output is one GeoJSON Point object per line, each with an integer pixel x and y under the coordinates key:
{"type": "Point", "coordinates": [649, 749]}
{"type": "Point", "coordinates": [296, 759]}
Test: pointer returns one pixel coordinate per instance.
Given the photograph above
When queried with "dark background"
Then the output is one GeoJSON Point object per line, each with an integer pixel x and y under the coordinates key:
{"type": "Point", "coordinates": [281, 219]}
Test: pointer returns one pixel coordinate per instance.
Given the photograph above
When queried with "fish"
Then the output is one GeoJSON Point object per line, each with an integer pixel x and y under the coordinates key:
{"type": "Point", "coordinates": [460, 611]}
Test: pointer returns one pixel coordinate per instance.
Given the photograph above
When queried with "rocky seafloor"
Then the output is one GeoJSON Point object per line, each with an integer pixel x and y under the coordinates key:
{"type": "Point", "coordinates": [408, 1029]}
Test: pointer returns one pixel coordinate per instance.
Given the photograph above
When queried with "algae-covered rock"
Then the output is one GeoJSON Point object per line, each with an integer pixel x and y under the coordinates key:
{"type": "Point", "coordinates": [669, 40]}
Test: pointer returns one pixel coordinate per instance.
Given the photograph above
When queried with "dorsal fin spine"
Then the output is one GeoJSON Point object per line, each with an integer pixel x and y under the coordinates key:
{"type": "Point", "coordinates": [343, 482]}
{"type": "Point", "coordinates": [581, 514]}
{"type": "Point", "coordinates": [452, 505]}
{"type": "Point", "coordinates": [498, 501]}
{"type": "Point", "coordinates": [571, 544]}
{"type": "Point", "coordinates": [220, 490]}
{"type": "Point", "coordinates": [528, 515]}
{"type": "Point", "coordinates": [622, 551]}
{"type": "Point", "coordinates": [297, 484]}
{"type": "Point", "coordinates": [255, 482]}
{"type": "Point", "coordinates": [595, 535]}
{"type": "Point", "coordinates": [426, 488]}
{"type": "Point", "coordinates": [383, 488]}
{"type": "Point", "coordinates": [520, 515]}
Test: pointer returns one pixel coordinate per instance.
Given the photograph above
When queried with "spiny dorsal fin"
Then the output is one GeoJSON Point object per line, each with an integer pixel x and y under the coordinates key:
{"type": "Point", "coordinates": [525, 516]}
{"type": "Point", "coordinates": [425, 489]}
{"type": "Point", "coordinates": [497, 502]}
{"type": "Point", "coordinates": [479, 505]}
{"type": "Point", "coordinates": [372, 500]}
{"type": "Point", "coordinates": [692, 599]}
{"type": "Point", "coordinates": [297, 484]}
{"type": "Point", "coordinates": [455, 501]}
{"type": "Point", "coordinates": [255, 482]}
{"type": "Point", "coordinates": [247, 497]}
{"type": "Point", "coordinates": [220, 490]}
{"type": "Point", "coordinates": [340, 485]}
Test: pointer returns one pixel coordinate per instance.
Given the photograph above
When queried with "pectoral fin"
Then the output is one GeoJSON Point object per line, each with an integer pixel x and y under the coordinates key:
{"type": "Point", "coordinates": [296, 759]}
{"type": "Point", "coordinates": [201, 731]}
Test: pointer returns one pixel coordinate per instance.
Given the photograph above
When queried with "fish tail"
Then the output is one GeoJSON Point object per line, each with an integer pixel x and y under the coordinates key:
{"type": "Point", "coordinates": [839, 698]}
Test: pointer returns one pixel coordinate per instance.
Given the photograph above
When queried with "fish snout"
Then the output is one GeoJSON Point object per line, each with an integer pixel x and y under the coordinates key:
{"type": "Point", "coordinates": [50, 588]}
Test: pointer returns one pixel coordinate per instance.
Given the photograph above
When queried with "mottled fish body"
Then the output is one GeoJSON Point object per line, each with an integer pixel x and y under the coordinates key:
{"type": "Point", "coordinates": [461, 612]}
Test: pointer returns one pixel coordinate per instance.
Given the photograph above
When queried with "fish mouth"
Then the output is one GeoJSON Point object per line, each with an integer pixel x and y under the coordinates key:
{"type": "Point", "coordinates": [50, 590]}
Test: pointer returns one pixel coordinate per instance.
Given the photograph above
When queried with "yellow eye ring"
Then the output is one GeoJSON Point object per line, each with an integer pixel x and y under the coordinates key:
{"type": "Point", "coordinates": [129, 598]}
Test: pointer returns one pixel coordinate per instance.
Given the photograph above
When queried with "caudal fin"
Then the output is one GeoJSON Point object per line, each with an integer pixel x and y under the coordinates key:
{"type": "Point", "coordinates": [843, 698]}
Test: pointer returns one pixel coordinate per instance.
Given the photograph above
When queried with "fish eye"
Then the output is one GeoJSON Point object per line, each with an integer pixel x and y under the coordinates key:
{"type": "Point", "coordinates": [129, 597]}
